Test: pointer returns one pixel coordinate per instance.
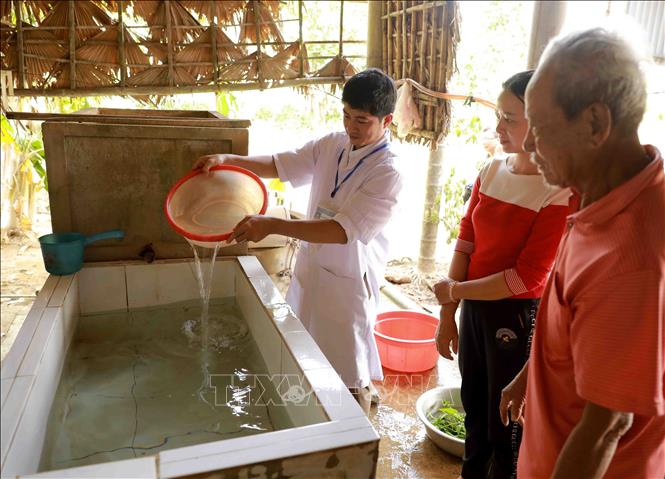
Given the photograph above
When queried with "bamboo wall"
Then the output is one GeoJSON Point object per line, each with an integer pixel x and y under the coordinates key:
{"type": "Point", "coordinates": [419, 42]}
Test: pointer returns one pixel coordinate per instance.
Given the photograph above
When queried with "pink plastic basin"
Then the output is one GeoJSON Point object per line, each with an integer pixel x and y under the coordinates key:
{"type": "Point", "coordinates": [405, 340]}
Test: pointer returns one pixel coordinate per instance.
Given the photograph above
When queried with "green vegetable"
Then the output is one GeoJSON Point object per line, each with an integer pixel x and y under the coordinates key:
{"type": "Point", "coordinates": [449, 420]}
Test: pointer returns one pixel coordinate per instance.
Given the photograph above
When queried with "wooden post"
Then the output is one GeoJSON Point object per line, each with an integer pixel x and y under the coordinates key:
{"type": "Point", "coordinates": [255, 6]}
{"type": "Point", "coordinates": [374, 50]}
{"type": "Point", "coordinates": [121, 41]}
{"type": "Point", "coordinates": [405, 72]}
{"type": "Point", "coordinates": [341, 29]}
{"type": "Point", "coordinates": [18, 6]}
{"type": "Point", "coordinates": [169, 42]}
{"type": "Point", "coordinates": [430, 224]}
{"type": "Point", "coordinates": [72, 45]}
{"type": "Point", "coordinates": [213, 48]}
{"type": "Point", "coordinates": [301, 51]}
{"type": "Point", "coordinates": [389, 41]}
{"type": "Point", "coordinates": [423, 45]}
{"type": "Point", "coordinates": [548, 18]}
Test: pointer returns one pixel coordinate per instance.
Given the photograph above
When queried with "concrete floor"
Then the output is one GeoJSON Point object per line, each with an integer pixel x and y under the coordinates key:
{"type": "Point", "coordinates": [404, 451]}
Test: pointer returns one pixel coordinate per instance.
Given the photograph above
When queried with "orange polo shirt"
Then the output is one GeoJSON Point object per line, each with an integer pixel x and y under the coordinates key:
{"type": "Point", "coordinates": [600, 330]}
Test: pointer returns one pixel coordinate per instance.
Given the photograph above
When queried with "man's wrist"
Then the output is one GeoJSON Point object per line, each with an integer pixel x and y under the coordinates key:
{"type": "Point", "coordinates": [451, 292]}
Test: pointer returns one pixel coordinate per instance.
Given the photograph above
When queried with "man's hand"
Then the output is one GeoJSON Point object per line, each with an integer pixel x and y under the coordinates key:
{"type": "Point", "coordinates": [513, 399]}
{"type": "Point", "coordinates": [252, 228]}
{"type": "Point", "coordinates": [446, 332]}
{"type": "Point", "coordinates": [208, 161]}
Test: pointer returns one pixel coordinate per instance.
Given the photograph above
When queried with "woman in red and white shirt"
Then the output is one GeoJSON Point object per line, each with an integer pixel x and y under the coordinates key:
{"type": "Point", "coordinates": [506, 246]}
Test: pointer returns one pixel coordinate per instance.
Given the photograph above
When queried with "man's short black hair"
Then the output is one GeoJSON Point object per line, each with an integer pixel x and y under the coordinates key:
{"type": "Point", "coordinates": [372, 91]}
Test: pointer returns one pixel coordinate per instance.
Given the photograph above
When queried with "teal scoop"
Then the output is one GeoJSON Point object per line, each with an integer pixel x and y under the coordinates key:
{"type": "Point", "coordinates": [63, 252]}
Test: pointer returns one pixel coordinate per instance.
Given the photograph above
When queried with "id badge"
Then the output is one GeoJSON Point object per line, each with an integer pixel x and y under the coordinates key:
{"type": "Point", "coordinates": [324, 213]}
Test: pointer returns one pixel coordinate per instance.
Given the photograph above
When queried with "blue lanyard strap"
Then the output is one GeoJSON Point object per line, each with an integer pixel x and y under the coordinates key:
{"type": "Point", "coordinates": [339, 160]}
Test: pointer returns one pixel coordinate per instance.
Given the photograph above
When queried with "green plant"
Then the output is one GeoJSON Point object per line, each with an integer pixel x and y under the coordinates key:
{"type": "Point", "coordinates": [226, 103]}
{"type": "Point", "coordinates": [449, 420]}
{"type": "Point", "coordinates": [451, 199]}
{"type": "Point", "coordinates": [29, 147]}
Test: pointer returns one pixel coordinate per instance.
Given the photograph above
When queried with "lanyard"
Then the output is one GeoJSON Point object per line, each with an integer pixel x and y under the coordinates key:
{"type": "Point", "coordinates": [339, 160]}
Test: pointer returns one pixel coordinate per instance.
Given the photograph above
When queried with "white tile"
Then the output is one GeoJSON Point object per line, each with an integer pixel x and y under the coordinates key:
{"type": "Point", "coordinates": [12, 410]}
{"type": "Point", "coordinates": [333, 395]}
{"type": "Point", "coordinates": [266, 290]}
{"type": "Point", "coordinates": [304, 349]}
{"type": "Point", "coordinates": [256, 454]}
{"type": "Point", "coordinates": [102, 288]}
{"type": "Point", "coordinates": [251, 266]}
{"type": "Point", "coordinates": [302, 405]}
{"type": "Point", "coordinates": [223, 279]}
{"type": "Point", "coordinates": [26, 448]}
{"type": "Point", "coordinates": [58, 296]}
{"type": "Point", "coordinates": [266, 439]}
{"type": "Point", "coordinates": [44, 295]}
{"type": "Point", "coordinates": [285, 320]}
{"type": "Point", "coordinates": [5, 386]}
{"type": "Point", "coordinates": [39, 340]}
{"type": "Point", "coordinates": [260, 325]}
{"type": "Point", "coordinates": [156, 284]}
{"type": "Point", "coordinates": [71, 310]}
{"type": "Point", "coordinates": [141, 468]}
{"type": "Point", "coordinates": [16, 354]}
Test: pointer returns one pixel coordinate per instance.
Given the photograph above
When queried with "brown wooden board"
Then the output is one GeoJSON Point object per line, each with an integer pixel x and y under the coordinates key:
{"type": "Point", "coordinates": [128, 120]}
{"type": "Point", "coordinates": [153, 113]}
{"type": "Point", "coordinates": [108, 176]}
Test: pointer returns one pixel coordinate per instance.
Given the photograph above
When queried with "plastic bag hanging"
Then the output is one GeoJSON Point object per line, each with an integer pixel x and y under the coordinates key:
{"type": "Point", "coordinates": [406, 115]}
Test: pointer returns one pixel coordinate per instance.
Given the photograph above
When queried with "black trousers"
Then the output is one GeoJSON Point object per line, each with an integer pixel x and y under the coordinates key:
{"type": "Point", "coordinates": [493, 347]}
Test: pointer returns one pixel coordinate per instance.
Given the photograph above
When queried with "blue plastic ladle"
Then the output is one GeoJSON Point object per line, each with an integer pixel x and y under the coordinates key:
{"type": "Point", "coordinates": [63, 252]}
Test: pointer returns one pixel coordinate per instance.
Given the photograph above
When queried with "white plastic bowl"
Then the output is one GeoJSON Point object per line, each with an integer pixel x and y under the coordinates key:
{"type": "Point", "coordinates": [429, 403]}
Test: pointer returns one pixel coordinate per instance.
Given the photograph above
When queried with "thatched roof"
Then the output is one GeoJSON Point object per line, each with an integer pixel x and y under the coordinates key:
{"type": "Point", "coordinates": [127, 47]}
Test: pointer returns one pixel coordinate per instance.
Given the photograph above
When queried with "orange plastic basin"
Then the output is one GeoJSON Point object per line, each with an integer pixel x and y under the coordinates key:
{"type": "Point", "coordinates": [405, 340]}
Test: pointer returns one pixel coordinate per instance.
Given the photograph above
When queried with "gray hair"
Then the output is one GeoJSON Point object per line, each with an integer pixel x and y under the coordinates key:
{"type": "Point", "coordinates": [598, 66]}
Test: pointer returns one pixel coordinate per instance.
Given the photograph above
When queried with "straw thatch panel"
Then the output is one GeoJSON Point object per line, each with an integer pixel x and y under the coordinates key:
{"type": "Point", "coordinates": [107, 47]}
{"type": "Point", "coordinates": [257, 14]}
{"type": "Point", "coordinates": [420, 41]}
{"type": "Point", "coordinates": [229, 11]}
{"type": "Point", "coordinates": [85, 13]}
{"type": "Point", "coordinates": [39, 58]}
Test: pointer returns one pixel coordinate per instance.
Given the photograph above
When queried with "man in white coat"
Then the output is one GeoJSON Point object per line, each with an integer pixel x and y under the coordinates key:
{"type": "Point", "coordinates": [354, 187]}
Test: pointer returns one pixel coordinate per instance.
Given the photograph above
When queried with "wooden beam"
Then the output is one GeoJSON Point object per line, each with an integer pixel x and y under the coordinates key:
{"type": "Point", "coordinates": [18, 10]}
{"type": "Point", "coordinates": [72, 45]}
{"type": "Point", "coordinates": [169, 41]}
{"type": "Point", "coordinates": [175, 90]}
{"type": "Point", "coordinates": [341, 28]}
{"type": "Point", "coordinates": [301, 53]}
{"type": "Point", "coordinates": [121, 41]}
{"type": "Point", "coordinates": [259, 74]}
{"type": "Point", "coordinates": [213, 49]}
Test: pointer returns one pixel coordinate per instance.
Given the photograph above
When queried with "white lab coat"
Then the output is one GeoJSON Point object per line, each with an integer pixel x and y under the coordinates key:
{"type": "Point", "coordinates": [335, 288]}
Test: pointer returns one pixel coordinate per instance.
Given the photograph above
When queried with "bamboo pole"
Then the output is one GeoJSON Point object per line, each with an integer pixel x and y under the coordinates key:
{"type": "Point", "coordinates": [376, 10]}
{"type": "Point", "coordinates": [18, 6]}
{"type": "Point", "coordinates": [259, 73]}
{"type": "Point", "coordinates": [423, 45]}
{"type": "Point", "coordinates": [404, 41]}
{"type": "Point", "coordinates": [416, 8]}
{"type": "Point", "coordinates": [440, 80]}
{"type": "Point", "coordinates": [301, 53]}
{"type": "Point", "coordinates": [389, 41]}
{"type": "Point", "coordinates": [429, 123]}
{"type": "Point", "coordinates": [72, 45]}
{"type": "Point", "coordinates": [121, 41]}
{"type": "Point", "coordinates": [430, 225]}
{"type": "Point", "coordinates": [398, 45]}
{"type": "Point", "coordinates": [213, 49]}
{"type": "Point", "coordinates": [168, 90]}
{"type": "Point", "coordinates": [169, 42]}
{"type": "Point", "coordinates": [412, 55]}
{"type": "Point", "coordinates": [341, 28]}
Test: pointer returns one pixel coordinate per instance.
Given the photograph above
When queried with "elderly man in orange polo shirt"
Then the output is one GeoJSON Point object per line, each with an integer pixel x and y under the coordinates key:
{"type": "Point", "coordinates": [594, 395]}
